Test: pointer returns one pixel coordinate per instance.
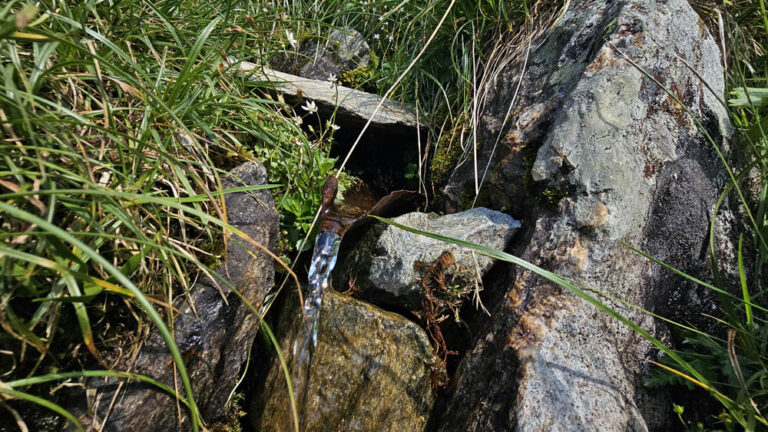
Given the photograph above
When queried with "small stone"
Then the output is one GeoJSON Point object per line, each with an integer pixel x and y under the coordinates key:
{"type": "Point", "coordinates": [344, 50]}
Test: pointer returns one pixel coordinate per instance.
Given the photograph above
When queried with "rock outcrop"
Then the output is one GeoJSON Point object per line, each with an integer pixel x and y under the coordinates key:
{"type": "Point", "coordinates": [618, 160]}
{"type": "Point", "coordinates": [214, 338]}
{"type": "Point", "coordinates": [371, 371]}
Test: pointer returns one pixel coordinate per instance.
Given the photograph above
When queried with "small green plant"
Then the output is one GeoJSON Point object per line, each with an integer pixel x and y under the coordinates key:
{"type": "Point", "coordinates": [362, 75]}
{"type": "Point", "coordinates": [699, 426]}
{"type": "Point", "coordinates": [448, 150]}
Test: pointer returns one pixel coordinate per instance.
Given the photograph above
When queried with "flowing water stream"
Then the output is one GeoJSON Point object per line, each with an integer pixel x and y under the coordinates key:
{"type": "Point", "coordinates": [323, 261]}
{"type": "Point", "coordinates": [334, 222]}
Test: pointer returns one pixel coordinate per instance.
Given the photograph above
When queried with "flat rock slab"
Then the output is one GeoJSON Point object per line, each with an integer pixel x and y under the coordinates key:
{"type": "Point", "coordinates": [388, 267]}
{"type": "Point", "coordinates": [371, 371]}
{"type": "Point", "coordinates": [352, 107]}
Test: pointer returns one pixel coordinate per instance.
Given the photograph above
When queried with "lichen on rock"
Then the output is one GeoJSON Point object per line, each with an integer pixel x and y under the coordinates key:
{"type": "Point", "coordinates": [622, 162]}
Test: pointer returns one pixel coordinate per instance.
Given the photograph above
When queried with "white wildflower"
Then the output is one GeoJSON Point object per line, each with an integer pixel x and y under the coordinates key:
{"type": "Point", "coordinates": [381, 18]}
{"type": "Point", "coordinates": [376, 36]}
{"type": "Point", "coordinates": [332, 78]}
{"type": "Point", "coordinates": [298, 120]}
{"type": "Point", "coordinates": [332, 126]}
{"type": "Point", "coordinates": [291, 39]}
{"type": "Point", "coordinates": [310, 107]}
{"type": "Point", "coordinates": [391, 38]}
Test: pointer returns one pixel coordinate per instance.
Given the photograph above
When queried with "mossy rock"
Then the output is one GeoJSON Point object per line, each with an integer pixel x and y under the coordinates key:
{"type": "Point", "coordinates": [371, 371]}
{"type": "Point", "coordinates": [360, 76]}
{"type": "Point", "coordinates": [448, 151]}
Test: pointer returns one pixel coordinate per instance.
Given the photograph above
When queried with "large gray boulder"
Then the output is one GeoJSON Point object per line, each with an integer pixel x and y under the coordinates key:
{"type": "Point", "coordinates": [619, 160]}
{"type": "Point", "coordinates": [388, 267]}
{"type": "Point", "coordinates": [372, 371]}
{"type": "Point", "coordinates": [214, 338]}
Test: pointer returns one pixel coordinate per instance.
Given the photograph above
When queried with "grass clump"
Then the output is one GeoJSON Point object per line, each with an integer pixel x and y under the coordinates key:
{"type": "Point", "coordinates": [118, 122]}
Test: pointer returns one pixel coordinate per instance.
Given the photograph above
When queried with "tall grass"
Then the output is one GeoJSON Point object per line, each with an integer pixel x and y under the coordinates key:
{"type": "Point", "coordinates": [118, 120]}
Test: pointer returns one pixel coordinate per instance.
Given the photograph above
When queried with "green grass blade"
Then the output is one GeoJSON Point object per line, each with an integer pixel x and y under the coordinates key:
{"type": "Point", "coordinates": [563, 282]}
{"type": "Point", "coordinates": [41, 379]}
{"type": "Point", "coordinates": [81, 313]}
{"type": "Point", "coordinates": [183, 84]}
{"type": "Point", "coordinates": [170, 202]}
{"type": "Point", "coordinates": [44, 403]}
{"type": "Point", "coordinates": [692, 279]}
{"type": "Point", "coordinates": [744, 287]}
{"type": "Point", "coordinates": [114, 272]}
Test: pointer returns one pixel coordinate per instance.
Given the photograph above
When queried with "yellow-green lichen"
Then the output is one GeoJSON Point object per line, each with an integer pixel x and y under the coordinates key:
{"type": "Point", "coordinates": [359, 76]}
{"type": "Point", "coordinates": [550, 197]}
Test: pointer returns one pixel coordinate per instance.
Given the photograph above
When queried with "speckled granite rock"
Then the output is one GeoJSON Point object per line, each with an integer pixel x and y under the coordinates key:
{"type": "Point", "coordinates": [619, 160]}
{"type": "Point", "coordinates": [388, 265]}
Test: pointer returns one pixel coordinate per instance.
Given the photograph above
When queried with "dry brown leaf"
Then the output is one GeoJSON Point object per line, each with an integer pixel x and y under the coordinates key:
{"type": "Point", "coordinates": [32, 199]}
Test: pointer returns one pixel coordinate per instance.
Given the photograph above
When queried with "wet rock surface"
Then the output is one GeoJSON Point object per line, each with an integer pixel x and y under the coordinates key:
{"type": "Point", "coordinates": [371, 372]}
{"type": "Point", "coordinates": [619, 160]}
{"type": "Point", "coordinates": [214, 338]}
{"type": "Point", "coordinates": [389, 263]}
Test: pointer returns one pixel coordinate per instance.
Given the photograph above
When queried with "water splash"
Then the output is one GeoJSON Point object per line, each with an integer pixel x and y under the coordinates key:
{"type": "Point", "coordinates": [323, 261]}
